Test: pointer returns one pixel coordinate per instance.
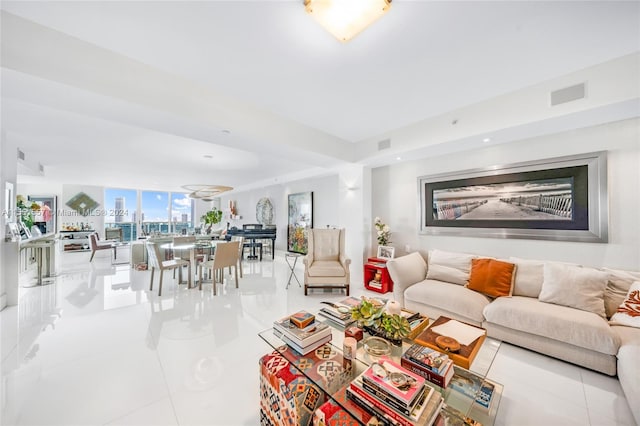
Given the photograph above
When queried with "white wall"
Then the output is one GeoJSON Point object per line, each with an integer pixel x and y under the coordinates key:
{"type": "Point", "coordinates": [325, 204]}
{"type": "Point", "coordinates": [395, 198]}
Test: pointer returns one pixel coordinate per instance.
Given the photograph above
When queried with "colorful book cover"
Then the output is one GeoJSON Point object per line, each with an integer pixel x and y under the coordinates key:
{"type": "Point", "coordinates": [437, 379]}
{"type": "Point", "coordinates": [350, 302]}
{"type": "Point", "coordinates": [302, 319]}
{"type": "Point", "coordinates": [395, 380]}
{"type": "Point", "coordinates": [483, 398]}
{"type": "Point", "coordinates": [427, 357]}
{"type": "Point", "coordinates": [466, 383]}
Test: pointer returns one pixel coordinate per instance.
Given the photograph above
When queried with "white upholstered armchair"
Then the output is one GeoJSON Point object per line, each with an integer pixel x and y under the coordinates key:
{"type": "Point", "coordinates": [326, 264]}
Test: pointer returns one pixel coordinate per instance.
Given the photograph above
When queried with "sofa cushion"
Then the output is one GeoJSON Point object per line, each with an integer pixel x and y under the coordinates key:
{"type": "Point", "coordinates": [528, 278]}
{"type": "Point", "coordinates": [629, 367]}
{"type": "Point", "coordinates": [617, 288]}
{"type": "Point", "coordinates": [326, 268]}
{"type": "Point", "coordinates": [449, 267]}
{"type": "Point", "coordinates": [629, 311]}
{"type": "Point", "coordinates": [491, 277]}
{"type": "Point", "coordinates": [575, 287]}
{"type": "Point", "coordinates": [576, 327]}
{"type": "Point", "coordinates": [449, 297]}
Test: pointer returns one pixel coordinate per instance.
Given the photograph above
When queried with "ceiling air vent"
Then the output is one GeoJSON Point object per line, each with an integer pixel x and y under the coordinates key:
{"type": "Point", "coordinates": [568, 94]}
{"type": "Point", "coordinates": [20, 155]}
{"type": "Point", "coordinates": [385, 144]}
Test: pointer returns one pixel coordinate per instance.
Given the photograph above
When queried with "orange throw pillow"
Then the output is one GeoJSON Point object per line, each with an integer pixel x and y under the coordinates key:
{"type": "Point", "coordinates": [492, 277]}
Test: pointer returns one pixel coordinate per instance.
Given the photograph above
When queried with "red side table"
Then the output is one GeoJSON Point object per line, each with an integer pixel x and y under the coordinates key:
{"type": "Point", "coordinates": [373, 266]}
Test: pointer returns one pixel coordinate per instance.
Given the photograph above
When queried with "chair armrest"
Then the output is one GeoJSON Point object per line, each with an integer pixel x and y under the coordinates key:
{"type": "Point", "coordinates": [345, 262]}
{"type": "Point", "coordinates": [307, 260]}
{"type": "Point", "coordinates": [405, 271]}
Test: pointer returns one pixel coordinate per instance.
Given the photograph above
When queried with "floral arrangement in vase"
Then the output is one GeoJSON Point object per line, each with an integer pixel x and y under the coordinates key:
{"type": "Point", "coordinates": [383, 232]}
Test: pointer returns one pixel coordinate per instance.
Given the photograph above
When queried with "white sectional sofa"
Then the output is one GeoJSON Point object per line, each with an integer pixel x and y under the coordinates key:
{"type": "Point", "coordinates": [554, 327]}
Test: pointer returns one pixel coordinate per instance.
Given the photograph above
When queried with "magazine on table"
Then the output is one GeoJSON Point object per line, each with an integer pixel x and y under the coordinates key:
{"type": "Point", "coordinates": [394, 380]}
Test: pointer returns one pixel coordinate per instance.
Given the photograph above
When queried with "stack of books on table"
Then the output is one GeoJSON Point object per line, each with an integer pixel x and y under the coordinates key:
{"type": "Point", "coordinates": [433, 365]}
{"type": "Point", "coordinates": [394, 395]}
{"type": "Point", "coordinates": [305, 339]}
{"type": "Point", "coordinates": [339, 312]}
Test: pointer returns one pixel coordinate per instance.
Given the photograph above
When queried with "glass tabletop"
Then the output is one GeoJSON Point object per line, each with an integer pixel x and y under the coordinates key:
{"type": "Point", "coordinates": [472, 381]}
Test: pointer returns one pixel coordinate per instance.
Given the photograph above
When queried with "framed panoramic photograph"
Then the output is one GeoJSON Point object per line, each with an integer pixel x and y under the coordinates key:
{"type": "Point", "coordinates": [386, 252]}
{"type": "Point", "coordinates": [556, 199]}
{"type": "Point", "coordinates": [300, 219]}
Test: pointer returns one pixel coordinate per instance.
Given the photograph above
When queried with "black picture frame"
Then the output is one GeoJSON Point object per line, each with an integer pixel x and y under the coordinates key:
{"type": "Point", "coordinates": [300, 221]}
{"type": "Point", "coordinates": [555, 199]}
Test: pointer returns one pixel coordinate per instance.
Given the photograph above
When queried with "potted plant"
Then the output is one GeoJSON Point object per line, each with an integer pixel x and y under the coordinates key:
{"type": "Point", "coordinates": [371, 316]}
{"type": "Point", "coordinates": [212, 217]}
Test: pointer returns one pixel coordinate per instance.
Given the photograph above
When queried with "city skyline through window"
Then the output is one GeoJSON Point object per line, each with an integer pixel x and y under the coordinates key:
{"type": "Point", "coordinates": [160, 211]}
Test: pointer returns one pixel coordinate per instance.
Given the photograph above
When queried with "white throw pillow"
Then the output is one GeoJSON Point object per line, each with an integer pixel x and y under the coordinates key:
{"type": "Point", "coordinates": [617, 288]}
{"type": "Point", "coordinates": [575, 287]}
{"type": "Point", "coordinates": [449, 267]}
{"type": "Point", "coordinates": [529, 277]}
{"type": "Point", "coordinates": [628, 312]}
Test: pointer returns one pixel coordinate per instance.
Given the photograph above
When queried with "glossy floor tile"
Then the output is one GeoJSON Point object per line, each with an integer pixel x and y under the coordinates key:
{"type": "Point", "coordinates": [97, 348]}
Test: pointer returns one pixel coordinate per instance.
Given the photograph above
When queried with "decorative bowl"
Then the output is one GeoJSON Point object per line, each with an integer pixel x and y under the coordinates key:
{"type": "Point", "coordinates": [375, 347]}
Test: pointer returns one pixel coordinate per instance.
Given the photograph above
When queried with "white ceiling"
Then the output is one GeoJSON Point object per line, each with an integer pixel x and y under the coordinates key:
{"type": "Point", "coordinates": [142, 90]}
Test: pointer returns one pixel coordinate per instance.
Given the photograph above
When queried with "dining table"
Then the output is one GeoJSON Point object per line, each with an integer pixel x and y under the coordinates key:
{"type": "Point", "coordinates": [208, 245]}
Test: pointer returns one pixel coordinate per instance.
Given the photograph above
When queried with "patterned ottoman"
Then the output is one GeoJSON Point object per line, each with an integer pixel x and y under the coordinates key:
{"type": "Point", "coordinates": [289, 397]}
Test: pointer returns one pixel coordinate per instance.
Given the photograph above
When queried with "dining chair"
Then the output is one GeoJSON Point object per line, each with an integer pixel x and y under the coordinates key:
{"type": "Point", "coordinates": [226, 256]}
{"type": "Point", "coordinates": [155, 263]}
{"type": "Point", "coordinates": [240, 240]}
{"type": "Point", "coordinates": [95, 245]}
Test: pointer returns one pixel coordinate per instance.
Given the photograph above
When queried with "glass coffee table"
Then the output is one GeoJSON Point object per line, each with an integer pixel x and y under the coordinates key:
{"type": "Point", "coordinates": [465, 404]}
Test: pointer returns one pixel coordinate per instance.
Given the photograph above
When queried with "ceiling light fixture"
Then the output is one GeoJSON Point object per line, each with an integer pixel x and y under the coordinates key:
{"type": "Point", "coordinates": [205, 192]}
{"type": "Point", "coordinates": [346, 18]}
{"type": "Point", "coordinates": [485, 140]}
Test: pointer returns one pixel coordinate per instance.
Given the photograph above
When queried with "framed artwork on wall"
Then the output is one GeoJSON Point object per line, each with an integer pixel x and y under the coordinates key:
{"type": "Point", "coordinates": [556, 199]}
{"type": "Point", "coordinates": [300, 220]}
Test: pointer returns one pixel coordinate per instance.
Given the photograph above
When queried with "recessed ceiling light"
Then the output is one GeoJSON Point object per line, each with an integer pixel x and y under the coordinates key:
{"type": "Point", "coordinates": [398, 158]}
{"type": "Point", "coordinates": [208, 156]}
{"type": "Point", "coordinates": [485, 140]}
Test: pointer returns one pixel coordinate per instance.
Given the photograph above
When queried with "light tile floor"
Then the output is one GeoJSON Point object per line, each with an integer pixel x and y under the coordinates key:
{"type": "Point", "coordinates": [97, 348]}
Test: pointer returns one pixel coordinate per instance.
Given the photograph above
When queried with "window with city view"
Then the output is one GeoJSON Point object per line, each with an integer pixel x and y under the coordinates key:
{"type": "Point", "coordinates": [121, 206]}
{"type": "Point", "coordinates": [159, 212]}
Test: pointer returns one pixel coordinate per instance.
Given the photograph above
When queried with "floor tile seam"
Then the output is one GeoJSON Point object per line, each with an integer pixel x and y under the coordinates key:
{"type": "Point", "coordinates": [536, 385]}
{"type": "Point", "coordinates": [512, 371]}
{"type": "Point", "coordinates": [584, 395]}
{"type": "Point", "coordinates": [595, 412]}
{"type": "Point", "coordinates": [166, 384]}
{"type": "Point", "coordinates": [135, 410]}
{"type": "Point", "coordinates": [513, 376]}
